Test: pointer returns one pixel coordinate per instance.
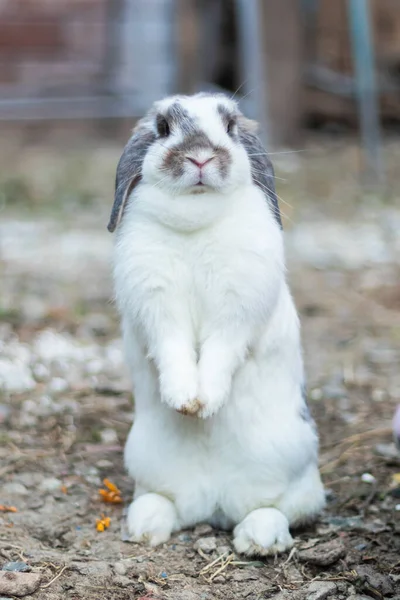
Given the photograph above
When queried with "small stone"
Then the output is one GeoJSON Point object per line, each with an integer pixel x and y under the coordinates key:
{"type": "Point", "coordinates": [35, 503]}
{"type": "Point", "coordinates": [104, 464]}
{"type": "Point", "coordinates": [40, 372]}
{"type": "Point", "coordinates": [319, 590]}
{"type": "Point", "coordinates": [120, 568]}
{"type": "Point", "coordinates": [20, 567]}
{"type": "Point", "coordinates": [249, 574]}
{"type": "Point", "coordinates": [184, 537]}
{"type": "Point", "coordinates": [368, 478]}
{"type": "Point", "coordinates": [378, 395]}
{"type": "Point", "coordinates": [388, 451]}
{"type": "Point", "coordinates": [28, 479]}
{"type": "Point", "coordinates": [375, 580]}
{"type": "Point", "coordinates": [19, 584]}
{"type": "Point", "coordinates": [383, 356]}
{"type": "Point", "coordinates": [109, 436]}
{"type": "Point", "coordinates": [123, 581]}
{"type": "Point", "coordinates": [203, 529]}
{"type": "Point", "coordinates": [219, 579]}
{"type": "Point", "coordinates": [316, 394]}
{"type": "Point", "coordinates": [5, 412]}
{"type": "Point", "coordinates": [333, 391]}
{"type": "Point", "coordinates": [15, 488]}
{"type": "Point", "coordinates": [323, 554]}
{"type": "Point", "coordinates": [206, 544]}
{"type": "Point", "coordinates": [51, 484]}
{"type": "Point", "coordinates": [57, 385]}
{"type": "Point", "coordinates": [361, 547]}
{"type": "Point", "coordinates": [344, 523]}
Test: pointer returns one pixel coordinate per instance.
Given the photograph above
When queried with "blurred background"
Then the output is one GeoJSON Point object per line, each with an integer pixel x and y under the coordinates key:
{"type": "Point", "coordinates": [323, 78]}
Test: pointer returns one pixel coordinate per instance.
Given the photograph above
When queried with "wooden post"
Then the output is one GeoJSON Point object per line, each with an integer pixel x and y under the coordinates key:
{"type": "Point", "coordinates": [283, 59]}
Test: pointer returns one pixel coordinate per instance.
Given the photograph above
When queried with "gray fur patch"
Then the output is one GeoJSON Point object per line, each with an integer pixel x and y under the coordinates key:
{"type": "Point", "coordinates": [178, 117]}
{"type": "Point", "coordinates": [129, 171]}
{"type": "Point", "coordinates": [305, 413]}
{"type": "Point", "coordinates": [261, 169]}
{"type": "Point", "coordinates": [225, 113]}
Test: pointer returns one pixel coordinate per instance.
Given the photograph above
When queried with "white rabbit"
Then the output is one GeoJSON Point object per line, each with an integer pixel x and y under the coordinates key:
{"type": "Point", "coordinates": [221, 432]}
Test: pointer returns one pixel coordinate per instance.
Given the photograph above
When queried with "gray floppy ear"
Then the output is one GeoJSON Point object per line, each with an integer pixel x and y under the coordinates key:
{"type": "Point", "coordinates": [129, 171]}
{"type": "Point", "coordinates": [261, 167]}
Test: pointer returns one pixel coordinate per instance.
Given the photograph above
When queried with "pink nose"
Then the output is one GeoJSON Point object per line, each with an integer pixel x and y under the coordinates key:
{"type": "Point", "coordinates": [198, 163]}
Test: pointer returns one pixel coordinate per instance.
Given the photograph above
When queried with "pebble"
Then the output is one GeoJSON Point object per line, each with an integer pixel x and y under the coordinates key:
{"type": "Point", "coordinates": [388, 451]}
{"type": "Point", "coordinates": [319, 590]}
{"type": "Point", "coordinates": [29, 479]}
{"type": "Point", "coordinates": [50, 484]}
{"type": "Point", "coordinates": [203, 529]}
{"type": "Point", "coordinates": [383, 356]}
{"type": "Point", "coordinates": [323, 554]}
{"type": "Point", "coordinates": [248, 574]}
{"type": "Point", "coordinates": [378, 395]}
{"type": "Point", "coordinates": [344, 523]}
{"type": "Point", "coordinates": [219, 579]}
{"type": "Point", "coordinates": [15, 377]}
{"type": "Point", "coordinates": [368, 478]}
{"type": "Point", "coordinates": [57, 385]}
{"type": "Point", "coordinates": [21, 567]}
{"type": "Point", "coordinates": [375, 580]}
{"type": "Point", "coordinates": [206, 544]}
{"type": "Point", "coordinates": [19, 584]}
{"type": "Point", "coordinates": [5, 412]}
{"type": "Point", "coordinates": [104, 464]}
{"type": "Point", "coordinates": [120, 568]}
{"type": "Point", "coordinates": [15, 488]}
{"type": "Point", "coordinates": [109, 436]}
{"type": "Point", "coordinates": [333, 392]}
{"type": "Point", "coordinates": [123, 581]}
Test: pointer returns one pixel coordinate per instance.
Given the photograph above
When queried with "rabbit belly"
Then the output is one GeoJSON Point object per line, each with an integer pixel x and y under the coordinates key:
{"type": "Point", "coordinates": [256, 452]}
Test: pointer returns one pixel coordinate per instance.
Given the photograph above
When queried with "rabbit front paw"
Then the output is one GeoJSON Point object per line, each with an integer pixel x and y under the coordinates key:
{"type": "Point", "coordinates": [214, 388]}
{"type": "Point", "coordinates": [179, 388]}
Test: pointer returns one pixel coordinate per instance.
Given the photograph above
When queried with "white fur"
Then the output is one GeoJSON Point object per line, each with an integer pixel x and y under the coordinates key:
{"type": "Point", "coordinates": [210, 330]}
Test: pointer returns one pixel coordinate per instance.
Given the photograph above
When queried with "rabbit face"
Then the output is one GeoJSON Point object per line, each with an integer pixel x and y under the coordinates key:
{"type": "Point", "coordinates": [196, 146]}
{"type": "Point", "coordinates": [191, 153]}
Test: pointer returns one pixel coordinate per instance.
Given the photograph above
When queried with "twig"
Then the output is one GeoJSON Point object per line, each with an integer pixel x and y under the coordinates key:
{"type": "Point", "coordinates": [222, 567]}
{"type": "Point", "coordinates": [211, 564]}
{"type": "Point", "coordinates": [291, 554]}
{"type": "Point", "coordinates": [364, 435]}
{"type": "Point", "coordinates": [43, 587]}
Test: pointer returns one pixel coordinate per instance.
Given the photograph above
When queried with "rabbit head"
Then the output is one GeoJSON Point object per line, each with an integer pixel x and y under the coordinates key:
{"type": "Point", "coordinates": [193, 145]}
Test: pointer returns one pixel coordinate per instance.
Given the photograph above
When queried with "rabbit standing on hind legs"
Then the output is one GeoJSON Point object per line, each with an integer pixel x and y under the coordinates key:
{"type": "Point", "coordinates": [221, 432]}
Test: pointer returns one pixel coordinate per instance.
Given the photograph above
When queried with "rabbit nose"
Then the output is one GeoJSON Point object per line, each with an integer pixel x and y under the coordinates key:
{"type": "Point", "coordinates": [199, 163]}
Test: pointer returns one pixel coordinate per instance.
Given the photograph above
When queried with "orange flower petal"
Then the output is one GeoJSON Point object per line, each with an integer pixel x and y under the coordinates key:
{"type": "Point", "coordinates": [111, 486]}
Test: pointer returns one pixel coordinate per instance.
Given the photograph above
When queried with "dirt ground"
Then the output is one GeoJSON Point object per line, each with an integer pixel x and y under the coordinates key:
{"type": "Point", "coordinates": [66, 408]}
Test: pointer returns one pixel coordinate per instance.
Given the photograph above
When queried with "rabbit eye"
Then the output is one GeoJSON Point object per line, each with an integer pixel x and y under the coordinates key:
{"type": "Point", "coordinates": [231, 126]}
{"type": "Point", "coordinates": [162, 126]}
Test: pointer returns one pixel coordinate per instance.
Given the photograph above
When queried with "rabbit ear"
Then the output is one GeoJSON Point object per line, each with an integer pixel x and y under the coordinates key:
{"type": "Point", "coordinates": [129, 171]}
{"type": "Point", "coordinates": [261, 167]}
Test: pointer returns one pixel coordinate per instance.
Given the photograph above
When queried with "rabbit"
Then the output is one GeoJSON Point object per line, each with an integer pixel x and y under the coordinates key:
{"type": "Point", "coordinates": [222, 433]}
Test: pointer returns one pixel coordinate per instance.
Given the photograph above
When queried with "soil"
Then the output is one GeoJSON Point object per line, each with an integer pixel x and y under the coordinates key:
{"type": "Point", "coordinates": [66, 409]}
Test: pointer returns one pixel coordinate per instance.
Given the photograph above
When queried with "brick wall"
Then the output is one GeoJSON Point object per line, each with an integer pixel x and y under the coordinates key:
{"type": "Point", "coordinates": [51, 46]}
